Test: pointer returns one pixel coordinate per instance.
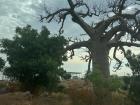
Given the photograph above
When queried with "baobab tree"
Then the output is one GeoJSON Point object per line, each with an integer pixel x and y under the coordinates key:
{"type": "Point", "coordinates": [116, 30]}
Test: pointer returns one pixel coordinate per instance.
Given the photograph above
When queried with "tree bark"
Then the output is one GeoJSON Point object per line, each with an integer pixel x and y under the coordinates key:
{"type": "Point", "coordinates": [100, 59]}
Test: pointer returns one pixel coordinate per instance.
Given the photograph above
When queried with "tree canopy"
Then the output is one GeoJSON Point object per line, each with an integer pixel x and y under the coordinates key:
{"type": "Point", "coordinates": [35, 58]}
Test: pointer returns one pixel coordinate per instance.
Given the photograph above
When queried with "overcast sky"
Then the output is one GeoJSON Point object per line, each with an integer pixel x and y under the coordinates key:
{"type": "Point", "coordinates": [15, 13]}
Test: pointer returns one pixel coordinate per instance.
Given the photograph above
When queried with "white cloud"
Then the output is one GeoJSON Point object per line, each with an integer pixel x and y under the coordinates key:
{"type": "Point", "coordinates": [17, 13]}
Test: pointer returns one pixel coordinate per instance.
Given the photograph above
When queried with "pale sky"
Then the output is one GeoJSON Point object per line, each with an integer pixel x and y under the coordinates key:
{"type": "Point", "coordinates": [15, 13]}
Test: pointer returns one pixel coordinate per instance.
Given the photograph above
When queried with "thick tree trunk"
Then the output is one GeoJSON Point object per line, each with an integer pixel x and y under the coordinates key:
{"type": "Point", "coordinates": [100, 59]}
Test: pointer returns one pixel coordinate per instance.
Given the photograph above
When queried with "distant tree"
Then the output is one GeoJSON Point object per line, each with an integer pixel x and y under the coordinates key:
{"type": "Point", "coordinates": [2, 63]}
{"type": "Point", "coordinates": [35, 59]}
{"type": "Point", "coordinates": [133, 62]}
{"type": "Point", "coordinates": [66, 75]}
{"type": "Point", "coordinates": [134, 90]}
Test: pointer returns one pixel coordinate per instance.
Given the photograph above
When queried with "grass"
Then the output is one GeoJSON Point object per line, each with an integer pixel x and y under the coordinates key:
{"type": "Point", "coordinates": [77, 92]}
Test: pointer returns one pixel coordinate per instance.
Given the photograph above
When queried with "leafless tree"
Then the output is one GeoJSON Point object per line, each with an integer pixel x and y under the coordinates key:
{"type": "Point", "coordinates": [108, 33]}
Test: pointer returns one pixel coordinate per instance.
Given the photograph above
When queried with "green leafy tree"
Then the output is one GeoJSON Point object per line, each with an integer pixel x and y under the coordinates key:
{"type": "Point", "coordinates": [35, 58]}
{"type": "Point", "coordinates": [134, 90]}
{"type": "Point", "coordinates": [2, 63]}
{"type": "Point", "coordinates": [134, 64]}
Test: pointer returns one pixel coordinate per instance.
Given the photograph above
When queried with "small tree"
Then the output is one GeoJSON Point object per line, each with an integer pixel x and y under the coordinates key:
{"type": "Point", "coordinates": [134, 64]}
{"type": "Point", "coordinates": [2, 63]}
{"type": "Point", "coordinates": [35, 58]}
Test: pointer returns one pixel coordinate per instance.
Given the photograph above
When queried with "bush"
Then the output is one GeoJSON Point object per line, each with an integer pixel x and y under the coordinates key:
{"type": "Point", "coordinates": [115, 83]}
{"type": "Point", "coordinates": [107, 90]}
{"type": "Point", "coordinates": [35, 58]}
{"type": "Point", "coordinates": [14, 86]}
{"type": "Point", "coordinates": [126, 80]}
{"type": "Point", "coordinates": [134, 91]}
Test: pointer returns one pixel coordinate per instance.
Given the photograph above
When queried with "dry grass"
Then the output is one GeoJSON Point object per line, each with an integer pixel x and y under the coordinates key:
{"type": "Point", "coordinates": [78, 92]}
{"type": "Point", "coordinates": [20, 98]}
{"type": "Point", "coordinates": [54, 99]}
{"type": "Point", "coordinates": [81, 92]}
{"type": "Point", "coordinates": [17, 98]}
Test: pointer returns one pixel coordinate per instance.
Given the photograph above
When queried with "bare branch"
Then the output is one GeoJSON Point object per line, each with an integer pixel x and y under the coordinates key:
{"type": "Point", "coordinates": [89, 65]}
{"type": "Point", "coordinates": [77, 45]}
{"type": "Point", "coordinates": [121, 6]}
{"type": "Point", "coordinates": [61, 13]}
{"type": "Point", "coordinates": [118, 61]}
{"type": "Point", "coordinates": [117, 37]}
{"type": "Point", "coordinates": [50, 16]}
{"type": "Point", "coordinates": [72, 54]}
{"type": "Point", "coordinates": [103, 25]}
{"type": "Point", "coordinates": [88, 13]}
{"type": "Point", "coordinates": [63, 18]}
{"type": "Point", "coordinates": [71, 4]}
{"type": "Point", "coordinates": [112, 32]}
{"type": "Point", "coordinates": [123, 50]}
{"type": "Point", "coordinates": [129, 44]}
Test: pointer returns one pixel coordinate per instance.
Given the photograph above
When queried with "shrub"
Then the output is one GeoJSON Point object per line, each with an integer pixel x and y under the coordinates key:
{"type": "Point", "coordinates": [35, 58]}
{"type": "Point", "coordinates": [134, 90]}
{"type": "Point", "coordinates": [115, 83]}
{"type": "Point", "coordinates": [13, 86]}
{"type": "Point", "coordinates": [106, 90]}
{"type": "Point", "coordinates": [126, 80]}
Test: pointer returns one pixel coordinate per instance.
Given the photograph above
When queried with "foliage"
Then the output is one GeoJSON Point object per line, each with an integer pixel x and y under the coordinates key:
{"type": "Point", "coordinates": [108, 90]}
{"type": "Point", "coordinates": [2, 63]}
{"type": "Point", "coordinates": [112, 83]}
{"type": "Point", "coordinates": [132, 85]}
{"type": "Point", "coordinates": [133, 62]}
{"type": "Point", "coordinates": [100, 86]}
{"type": "Point", "coordinates": [35, 58]}
{"type": "Point", "coordinates": [134, 90]}
{"type": "Point", "coordinates": [115, 83]}
{"type": "Point", "coordinates": [3, 84]}
{"type": "Point", "coordinates": [126, 80]}
{"type": "Point", "coordinates": [13, 86]}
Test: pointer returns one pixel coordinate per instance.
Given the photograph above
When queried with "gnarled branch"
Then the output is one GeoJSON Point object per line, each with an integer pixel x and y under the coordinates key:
{"type": "Point", "coordinates": [77, 45]}
{"type": "Point", "coordinates": [117, 37]}
{"type": "Point", "coordinates": [118, 61]}
{"type": "Point", "coordinates": [129, 44]}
